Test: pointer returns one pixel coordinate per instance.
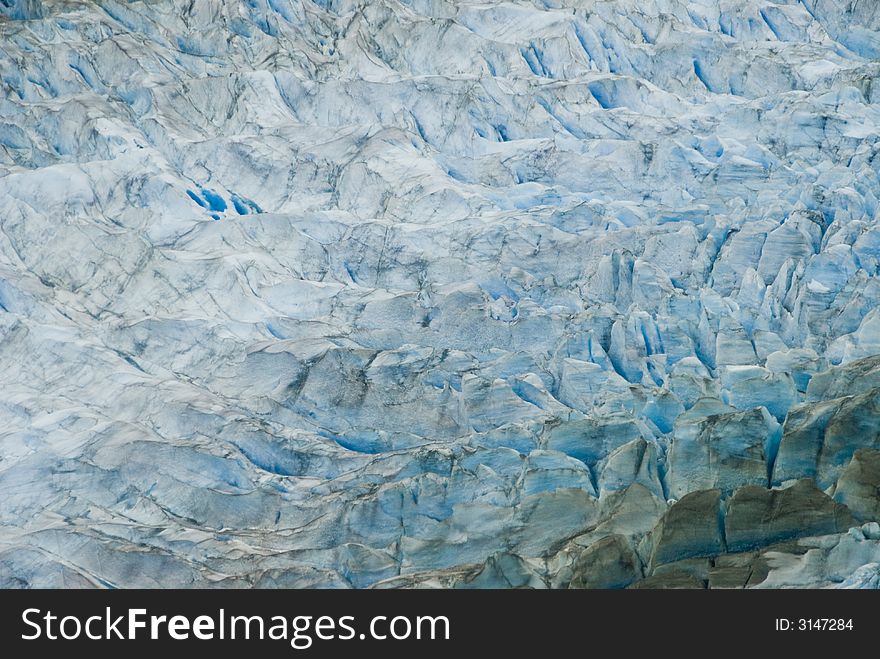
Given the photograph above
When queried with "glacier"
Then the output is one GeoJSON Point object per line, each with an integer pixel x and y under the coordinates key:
{"type": "Point", "coordinates": [423, 293]}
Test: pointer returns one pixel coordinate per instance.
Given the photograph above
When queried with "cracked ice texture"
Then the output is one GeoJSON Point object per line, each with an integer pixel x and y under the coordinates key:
{"type": "Point", "coordinates": [331, 293]}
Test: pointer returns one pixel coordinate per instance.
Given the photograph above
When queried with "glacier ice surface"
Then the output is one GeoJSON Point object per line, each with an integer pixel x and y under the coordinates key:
{"type": "Point", "coordinates": [434, 293]}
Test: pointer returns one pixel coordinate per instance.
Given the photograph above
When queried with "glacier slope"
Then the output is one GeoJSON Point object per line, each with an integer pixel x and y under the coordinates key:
{"type": "Point", "coordinates": [438, 293]}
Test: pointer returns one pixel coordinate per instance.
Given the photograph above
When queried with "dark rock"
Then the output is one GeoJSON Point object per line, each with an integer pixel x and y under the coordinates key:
{"type": "Point", "coordinates": [757, 517]}
{"type": "Point", "coordinates": [855, 425]}
{"type": "Point", "coordinates": [633, 511]}
{"type": "Point", "coordinates": [859, 485]}
{"type": "Point", "coordinates": [733, 570]}
{"type": "Point", "coordinates": [819, 439]}
{"type": "Point", "coordinates": [691, 527]}
{"type": "Point", "coordinates": [749, 568]}
{"type": "Point", "coordinates": [608, 563]}
{"type": "Point", "coordinates": [504, 570]}
{"type": "Point", "coordinates": [735, 576]}
{"type": "Point", "coordinates": [671, 581]}
{"type": "Point", "coordinates": [696, 567]}
{"type": "Point", "coordinates": [802, 438]}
